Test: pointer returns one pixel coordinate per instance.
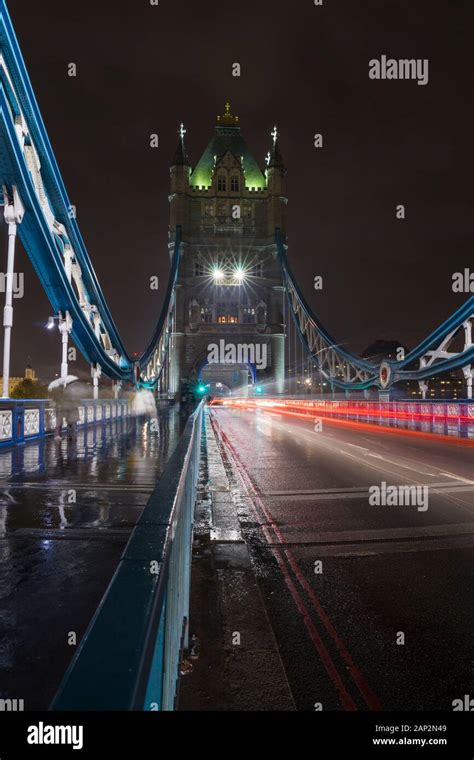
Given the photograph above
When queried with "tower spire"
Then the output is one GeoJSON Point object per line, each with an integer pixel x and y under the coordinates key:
{"type": "Point", "coordinates": [274, 157]}
{"type": "Point", "coordinates": [180, 157]}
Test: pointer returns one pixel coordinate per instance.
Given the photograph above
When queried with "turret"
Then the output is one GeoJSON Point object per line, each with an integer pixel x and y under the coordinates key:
{"type": "Point", "coordinates": [276, 172]}
{"type": "Point", "coordinates": [179, 183]}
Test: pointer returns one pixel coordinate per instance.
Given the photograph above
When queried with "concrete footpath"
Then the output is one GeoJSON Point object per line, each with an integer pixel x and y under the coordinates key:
{"type": "Point", "coordinates": [239, 666]}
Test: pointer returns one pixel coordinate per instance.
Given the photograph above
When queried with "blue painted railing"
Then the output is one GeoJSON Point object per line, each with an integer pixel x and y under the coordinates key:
{"type": "Point", "coordinates": [130, 655]}
{"type": "Point", "coordinates": [23, 420]}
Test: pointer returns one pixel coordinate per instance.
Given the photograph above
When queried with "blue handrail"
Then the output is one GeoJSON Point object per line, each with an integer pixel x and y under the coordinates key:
{"type": "Point", "coordinates": [130, 654]}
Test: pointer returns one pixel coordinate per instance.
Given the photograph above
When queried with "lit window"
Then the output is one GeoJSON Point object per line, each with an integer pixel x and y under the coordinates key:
{"type": "Point", "coordinates": [206, 314]}
{"type": "Point", "coordinates": [248, 315]}
{"type": "Point", "coordinates": [228, 313]}
{"type": "Point", "coordinates": [227, 319]}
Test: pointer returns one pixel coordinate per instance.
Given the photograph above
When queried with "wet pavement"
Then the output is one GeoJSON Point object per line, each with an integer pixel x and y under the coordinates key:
{"type": "Point", "coordinates": [66, 512]}
{"type": "Point", "coordinates": [370, 605]}
{"type": "Point", "coordinates": [239, 665]}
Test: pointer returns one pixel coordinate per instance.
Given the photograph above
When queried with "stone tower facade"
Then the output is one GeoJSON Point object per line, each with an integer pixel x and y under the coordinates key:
{"type": "Point", "coordinates": [229, 307]}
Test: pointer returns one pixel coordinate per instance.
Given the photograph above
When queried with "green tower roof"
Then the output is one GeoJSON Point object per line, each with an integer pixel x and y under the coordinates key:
{"type": "Point", "coordinates": [227, 138]}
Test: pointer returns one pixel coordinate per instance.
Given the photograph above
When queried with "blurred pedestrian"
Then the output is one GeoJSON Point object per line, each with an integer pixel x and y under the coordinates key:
{"type": "Point", "coordinates": [65, 393]}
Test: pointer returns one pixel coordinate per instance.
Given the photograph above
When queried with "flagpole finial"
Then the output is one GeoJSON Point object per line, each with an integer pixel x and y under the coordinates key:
{"type": "Point", "coordinates": [227, 117]}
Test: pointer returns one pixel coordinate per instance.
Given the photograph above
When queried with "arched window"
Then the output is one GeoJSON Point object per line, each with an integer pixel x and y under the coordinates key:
{"type": "Point", "coordinates": [221, 183]}
{"type": "Point", "coordinates": [206, 314]}
{"type": "Point", "coordinates": [234, 184]}
{"type": "Point", "coordinates": [248, 315]}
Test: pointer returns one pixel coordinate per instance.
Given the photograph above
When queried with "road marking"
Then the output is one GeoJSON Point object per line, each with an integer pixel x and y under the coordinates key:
{"type": "Point", "coordinates": [405, 466]}
{"type": "Point", "coordinates": [319, 441]}
{"type": "Point", "coordinates": [355, 446]}
{"type": "Point", "coordinates": [322, 616]}
{"type": "Point", "coordinates": [456, 477]}
{"type": "Point", "coordinates": [368, 549]}
{"type": "Point", "coordinates": [356, 490]}
{"type": "Point", "coordinates": [337, 442]}
{"type": "Point", "coordinates": [360, 493]}
{"type": "Point", "coordinates": [316, 491]}
{"type": "Point", "coordinates": [371, 535]}
{"type": "Point", "coordinates": [389, 461]}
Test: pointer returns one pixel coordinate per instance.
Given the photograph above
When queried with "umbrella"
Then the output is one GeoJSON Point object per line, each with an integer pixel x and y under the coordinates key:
{"type": "Point", "coordinates": [144, 403]}
{"type": "Point", "coordinates": [77, 390]}
{"type": "Point", "coordinates": [62, 382]}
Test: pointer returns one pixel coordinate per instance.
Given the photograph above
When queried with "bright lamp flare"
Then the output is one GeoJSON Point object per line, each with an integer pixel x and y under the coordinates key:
{"type": "Point", "coordinates": [239, 274]}
{"type": "Point", "coordinates": [217, 274]}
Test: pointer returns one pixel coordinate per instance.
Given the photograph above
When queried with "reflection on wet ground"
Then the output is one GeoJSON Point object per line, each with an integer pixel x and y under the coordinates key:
{"type": "Point", "coordinates": [66, 512]}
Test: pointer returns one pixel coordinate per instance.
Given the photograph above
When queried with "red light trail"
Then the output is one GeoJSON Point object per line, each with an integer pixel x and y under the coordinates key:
{"type": "Point", "coordinates": [309, 410]}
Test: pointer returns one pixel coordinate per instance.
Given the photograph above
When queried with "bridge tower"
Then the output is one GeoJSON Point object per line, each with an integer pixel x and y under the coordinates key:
{"type": "Point", "coordinates": [230, 296]}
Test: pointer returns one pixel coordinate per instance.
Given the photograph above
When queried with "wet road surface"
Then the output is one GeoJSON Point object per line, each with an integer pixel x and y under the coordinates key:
{"type": "Point", "coordinates": [371, 605]}
{"type": "Point", "coordinates": [66, 512]}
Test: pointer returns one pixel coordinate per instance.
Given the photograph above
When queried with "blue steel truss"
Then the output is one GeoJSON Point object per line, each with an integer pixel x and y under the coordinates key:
{"type": "Point", "coordinates": [348, 371]}
{"type": "Point", "coordinates": [50, 233]}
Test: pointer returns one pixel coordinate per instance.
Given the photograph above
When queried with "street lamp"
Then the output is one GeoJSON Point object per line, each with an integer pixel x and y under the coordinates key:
{"type": "Point", "coordinates": [64, 326]}
{"type": "Point", "coordinates": [13, 212]}
{"type": "Point", "coordinates": [217, 274]}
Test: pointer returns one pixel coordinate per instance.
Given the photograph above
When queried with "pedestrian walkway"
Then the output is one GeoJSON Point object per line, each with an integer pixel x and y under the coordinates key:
{"type": "Point", "coordinates": [239, 666]}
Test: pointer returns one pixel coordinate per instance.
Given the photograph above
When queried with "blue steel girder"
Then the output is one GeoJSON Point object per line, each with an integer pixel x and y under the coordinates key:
{"type": "Point", "coordinates": [153, 359]}
{"type": "Point", "coordinates": [343, 369]}
{"type": "Point", "coordinates": [49, 230]}
{"type": "Point", "coordinates": [350, 372]}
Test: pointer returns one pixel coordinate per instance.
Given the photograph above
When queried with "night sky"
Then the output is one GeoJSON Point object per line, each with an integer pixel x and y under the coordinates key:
{"type": "Point", "coordinates": [143, 69]}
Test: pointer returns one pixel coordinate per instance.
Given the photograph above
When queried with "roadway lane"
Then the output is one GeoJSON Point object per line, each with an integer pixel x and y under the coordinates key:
{"type": "Point", "coordinates": [345, 582]}
{"type": "Point", "coordinates": [66, 512]}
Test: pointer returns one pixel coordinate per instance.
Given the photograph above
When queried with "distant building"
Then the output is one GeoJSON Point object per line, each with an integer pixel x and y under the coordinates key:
{"type": "Point", "coordinates": [30, 374]}
{"type": "Point", "coordinates": [381, 350]}
{"type": "Point", "coordinates": [450, 385]}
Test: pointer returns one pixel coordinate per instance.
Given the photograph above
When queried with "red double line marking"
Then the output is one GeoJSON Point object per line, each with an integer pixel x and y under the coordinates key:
{"type": "Point", "coordinates": [257, 504]}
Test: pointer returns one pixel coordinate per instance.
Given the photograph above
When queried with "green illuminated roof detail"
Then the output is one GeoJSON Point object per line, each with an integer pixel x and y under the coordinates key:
{"type": "Point", "coordinates": [227, 138]}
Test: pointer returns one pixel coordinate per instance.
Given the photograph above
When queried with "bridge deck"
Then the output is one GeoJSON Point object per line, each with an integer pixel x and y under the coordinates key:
{"type": "Point", "coordinates": [300, 498]}
{"type": "Point", "coordinates": [66, 512]}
